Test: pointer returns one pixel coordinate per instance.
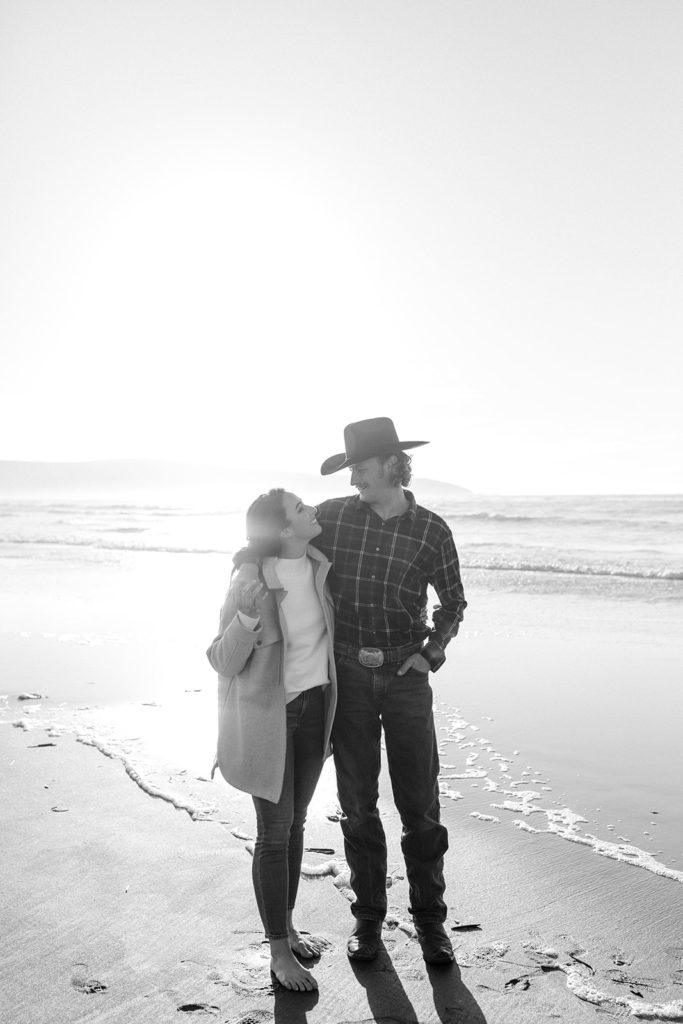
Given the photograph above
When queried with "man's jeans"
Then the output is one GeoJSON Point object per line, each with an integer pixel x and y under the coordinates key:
{"type": "Point", "coordinates": [369, 699]}
{"type": "Point", "coordinates": [278, 851]}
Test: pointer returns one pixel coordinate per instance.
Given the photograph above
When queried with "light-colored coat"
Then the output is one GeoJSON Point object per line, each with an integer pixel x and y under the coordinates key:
{"type": "Point", "coordinates": [252, 715]}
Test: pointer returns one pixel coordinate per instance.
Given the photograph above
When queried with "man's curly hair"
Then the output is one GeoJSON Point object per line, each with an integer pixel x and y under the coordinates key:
{"type": "Point", "coordinates": [400, 472]}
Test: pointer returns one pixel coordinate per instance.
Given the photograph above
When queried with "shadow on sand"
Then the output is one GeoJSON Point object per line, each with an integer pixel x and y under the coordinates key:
{"type": "Point", "coordinates": [390, 1004]}
{"type": "Point", "coordinates": [293, 1007]}
{"type": "Point", "coordinates": [386, 997]}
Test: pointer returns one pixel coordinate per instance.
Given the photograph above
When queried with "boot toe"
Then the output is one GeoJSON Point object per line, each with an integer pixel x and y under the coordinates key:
{"type": "Point", "coordinates": [436, 946]}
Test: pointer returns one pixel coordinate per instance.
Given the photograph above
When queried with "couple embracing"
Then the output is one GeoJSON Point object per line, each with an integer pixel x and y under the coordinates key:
{"type": "Point", "coordinates": [323, 643]}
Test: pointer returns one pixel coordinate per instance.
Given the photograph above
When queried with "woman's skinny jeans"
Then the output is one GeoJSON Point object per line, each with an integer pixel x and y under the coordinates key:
{"type": "Point", "coordinates": [280, 826]}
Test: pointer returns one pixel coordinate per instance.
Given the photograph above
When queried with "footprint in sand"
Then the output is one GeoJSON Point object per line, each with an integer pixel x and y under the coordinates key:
{"type": "Point", "coordinates": [251, 971]}
{"type": "Point", "coordinates": [405, 961]}
{"type": "Point", "coordinates": [621, 958]}
{"type": "Point", "coordinates": [483, 956]}
{"type": "Point", "coordinates": [83, 983]}
{"type": "Point", "coordinates": [541, 952]}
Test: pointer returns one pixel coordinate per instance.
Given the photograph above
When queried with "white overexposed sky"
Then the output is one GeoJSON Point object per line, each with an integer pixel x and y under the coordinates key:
{"type": "Point", "coordinates": [229, 227]}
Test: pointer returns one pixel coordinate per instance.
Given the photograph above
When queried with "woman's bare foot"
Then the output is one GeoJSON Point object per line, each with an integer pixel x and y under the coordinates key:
{"type": "Point", "coordinates": [305, 946]}
{"type": "Point", "coordinates": [287, 969]}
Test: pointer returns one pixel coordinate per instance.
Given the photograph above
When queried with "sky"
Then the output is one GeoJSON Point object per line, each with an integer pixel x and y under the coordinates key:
{"type": "Point", "coordinates": [230, 227]}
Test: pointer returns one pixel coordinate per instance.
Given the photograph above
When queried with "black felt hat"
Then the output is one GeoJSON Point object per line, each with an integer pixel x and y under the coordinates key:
{"type": "Point", "coordinates": [365, 439]}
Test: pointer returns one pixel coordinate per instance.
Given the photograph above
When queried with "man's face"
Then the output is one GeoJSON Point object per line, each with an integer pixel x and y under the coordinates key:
{"type": "Point", "coordinates": [302, 523]}
{"type": "Point", "coordinates": [371, 477]}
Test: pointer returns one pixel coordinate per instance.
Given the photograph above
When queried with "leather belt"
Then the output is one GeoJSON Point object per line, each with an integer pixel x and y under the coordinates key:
{"type": "Point", "coordinates": [373, 657]}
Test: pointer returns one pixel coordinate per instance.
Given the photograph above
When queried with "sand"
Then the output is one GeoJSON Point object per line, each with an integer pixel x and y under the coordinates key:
{"type": "Point", "coordinates": [118, 907]}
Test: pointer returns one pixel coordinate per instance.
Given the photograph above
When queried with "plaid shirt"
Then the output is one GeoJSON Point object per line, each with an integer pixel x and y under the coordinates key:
{"type": "Point", "coordinates": [381, 571]}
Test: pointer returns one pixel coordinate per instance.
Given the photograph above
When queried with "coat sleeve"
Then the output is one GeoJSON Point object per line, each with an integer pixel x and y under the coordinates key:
{"type": "Point", "coordinates": [230, 651]}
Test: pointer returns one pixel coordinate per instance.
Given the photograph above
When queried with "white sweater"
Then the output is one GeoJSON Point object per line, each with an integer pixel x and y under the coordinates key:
{"type": "Point", "coordinates": [306, 648]}
{"type": "Point", "coordinates": [306, 645]}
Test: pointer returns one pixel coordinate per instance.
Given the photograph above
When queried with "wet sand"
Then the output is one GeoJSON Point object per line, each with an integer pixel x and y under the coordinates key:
{"type": "Point", "coordinates": [118, 907]}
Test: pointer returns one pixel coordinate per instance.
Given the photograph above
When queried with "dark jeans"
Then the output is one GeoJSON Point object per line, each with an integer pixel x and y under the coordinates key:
{"type": "Point", "coordinates": [280, 826]}
{"type": "Point", "coordinates": [369, 700]}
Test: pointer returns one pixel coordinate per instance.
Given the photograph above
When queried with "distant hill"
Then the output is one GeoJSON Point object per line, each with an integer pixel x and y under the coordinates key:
{"type": "Point", "coordinates": [134, 479]}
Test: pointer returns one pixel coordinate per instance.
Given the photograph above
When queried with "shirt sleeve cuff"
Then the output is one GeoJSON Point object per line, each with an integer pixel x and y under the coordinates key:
{"type": "Point", "coordinates": [247, 621]}
{"type": "Point", "coordinates": [433, 653]}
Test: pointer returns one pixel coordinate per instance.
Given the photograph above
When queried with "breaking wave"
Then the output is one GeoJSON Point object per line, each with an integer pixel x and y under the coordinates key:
{"type": "Point", "coordinates": [575, 570]}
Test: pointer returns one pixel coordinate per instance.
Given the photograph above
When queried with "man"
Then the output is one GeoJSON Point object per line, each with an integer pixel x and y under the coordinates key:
{"type": "Point", "coordinates": [385, 549]}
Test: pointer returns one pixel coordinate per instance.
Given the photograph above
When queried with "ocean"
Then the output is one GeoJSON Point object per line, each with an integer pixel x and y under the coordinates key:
{"type": "Point", "coordinates": [558, 710]}
{"type": "Point", "coordinates": [540, 541]}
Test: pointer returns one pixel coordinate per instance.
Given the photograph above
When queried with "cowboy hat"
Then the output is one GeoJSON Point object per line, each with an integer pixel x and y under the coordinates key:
{"type": "Point", "coordinates": [364, 439]}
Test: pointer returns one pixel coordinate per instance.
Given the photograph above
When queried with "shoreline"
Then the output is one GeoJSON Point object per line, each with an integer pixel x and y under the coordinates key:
{"type": "Point", "coordinates": [540, 764]}
{"type": "Point", "coordinates": [158, 911]}
{"type": "Point", "coordinates": [159, 906]}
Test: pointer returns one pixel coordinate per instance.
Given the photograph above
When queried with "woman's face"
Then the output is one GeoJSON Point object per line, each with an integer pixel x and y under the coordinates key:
{"type": "Point", "coordinates": [301, 518]}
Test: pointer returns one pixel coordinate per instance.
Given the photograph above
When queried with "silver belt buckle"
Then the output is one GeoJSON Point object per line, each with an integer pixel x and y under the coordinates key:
{"type": "Point", "coordinates": [371, 657]}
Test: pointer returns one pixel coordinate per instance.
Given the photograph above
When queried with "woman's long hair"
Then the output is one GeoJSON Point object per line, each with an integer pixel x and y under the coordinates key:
{"type": "Point", "coordinates": [266, 517]}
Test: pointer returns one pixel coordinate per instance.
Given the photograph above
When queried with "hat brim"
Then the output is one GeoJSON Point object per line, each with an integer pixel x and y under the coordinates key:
{"type": "Point", "coordinates": [337, 462]}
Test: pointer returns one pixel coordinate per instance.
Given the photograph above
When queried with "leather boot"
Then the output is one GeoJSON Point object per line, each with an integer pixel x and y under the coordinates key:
{"type": "Point", "coordinates": [436, 946]}
{"type": "Point", "coordinates": [364, 940]}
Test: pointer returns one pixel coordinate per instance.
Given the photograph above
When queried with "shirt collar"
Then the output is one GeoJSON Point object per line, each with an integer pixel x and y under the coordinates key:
{"type": "Point", "coordinates": [361, 508]}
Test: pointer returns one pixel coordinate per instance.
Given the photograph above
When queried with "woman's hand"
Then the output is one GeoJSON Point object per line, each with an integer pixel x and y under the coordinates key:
{"type": "Point", "coordinates": [249, 597]}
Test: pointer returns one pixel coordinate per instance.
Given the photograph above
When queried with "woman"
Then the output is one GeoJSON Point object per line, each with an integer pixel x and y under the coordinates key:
{"type": "Point", "coordinates": [277, 693]}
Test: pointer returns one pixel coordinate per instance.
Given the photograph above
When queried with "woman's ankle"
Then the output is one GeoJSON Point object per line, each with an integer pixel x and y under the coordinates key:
{"type": "Point", "coordinates": [279, 946]}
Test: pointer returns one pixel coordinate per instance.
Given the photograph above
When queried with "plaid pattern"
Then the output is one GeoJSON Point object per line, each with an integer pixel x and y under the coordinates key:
{"type": "Point", "coordinates": [381, 571]}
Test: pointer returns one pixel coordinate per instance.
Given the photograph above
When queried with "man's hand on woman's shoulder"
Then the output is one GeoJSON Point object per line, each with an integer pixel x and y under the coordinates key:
{"type": "Point", "coordinates": [248, 596]}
